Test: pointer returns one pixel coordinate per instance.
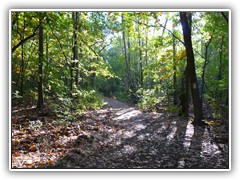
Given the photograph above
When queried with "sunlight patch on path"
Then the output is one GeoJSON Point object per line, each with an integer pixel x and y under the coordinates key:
{"type": "Point", "coordinates": [126, 114]}
{"type": "Point", "coordinates": [127, 149]}
{"type": "Point", "coordinates": [172, 133]}
{"type": "Point", "coordinates": [188, 136]}
{"type": "Point", "coordinates": [208, 149]}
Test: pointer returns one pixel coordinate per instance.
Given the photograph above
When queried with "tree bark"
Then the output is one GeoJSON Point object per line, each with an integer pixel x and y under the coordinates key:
{"type": "Point", "coordinates": [197, 104]}
{"type": "Point", "coordinates": [126, 55]}
{"type": "Point", "coordinates": [224, 16]}
{"type": "Point", "coordinates": [204, 66]}
{"type": "Point", "coordinates": [174, 71]}
{"type": "Point", "coordinates": [76, 47]}
{"type": "Point", "coordinates": [40, 103]}
{"type": "Point", "coordinates": [220, 66]}
{"type": "Point", "coordinates": [140, 60]}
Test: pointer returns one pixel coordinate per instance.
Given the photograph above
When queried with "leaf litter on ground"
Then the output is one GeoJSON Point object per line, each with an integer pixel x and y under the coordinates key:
{"type": "Point", "coordinates": [116, 136]}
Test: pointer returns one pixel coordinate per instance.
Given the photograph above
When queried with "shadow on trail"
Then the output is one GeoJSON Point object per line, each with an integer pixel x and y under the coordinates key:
{"type": "Point", "coordinates": [140, 140]}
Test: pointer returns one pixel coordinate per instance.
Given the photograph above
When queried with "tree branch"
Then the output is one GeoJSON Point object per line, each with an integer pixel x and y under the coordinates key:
{"type": "Point", "coordinates": [224, 16]}
{"type": "Point", "coordinates": [25, 39]}
{"type": "Point", "coordinates": [161, 26]}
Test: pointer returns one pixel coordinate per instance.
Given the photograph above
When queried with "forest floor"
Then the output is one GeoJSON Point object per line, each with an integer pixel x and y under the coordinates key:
{"type": "Point", "coordinates": [116, 136]}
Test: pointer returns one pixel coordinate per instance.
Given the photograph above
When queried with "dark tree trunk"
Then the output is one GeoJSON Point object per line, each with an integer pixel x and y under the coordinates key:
{"type": "Point", "coordinates": [224, 16]}
{"type": "Point", "coordinates": [146, 55]}
{"type": "Point", "coordinates": [132, 80]}
{"type": "Point", "coordinates": [140, 63]}
{"type": "Point", "coordinates": [126, 56]}
{"type": "Point", "coordinates": [40, 103]}
{"type": "Point", "coordinates": [22, 70]}
{"type": "Point", "coordinates": [187, 95]}
{"type": "Point", "coordinates": [197, 104]}
{"type": "Point", "coordinates": [184, 95]}
{"type": "Point", "coordinates": [204, 67]}
{"type": "Point", "coordinates": [220, 66]}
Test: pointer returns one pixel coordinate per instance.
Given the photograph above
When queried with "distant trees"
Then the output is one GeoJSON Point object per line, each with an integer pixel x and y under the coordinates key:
{"type": "Point", "coordinates": [142, 57]}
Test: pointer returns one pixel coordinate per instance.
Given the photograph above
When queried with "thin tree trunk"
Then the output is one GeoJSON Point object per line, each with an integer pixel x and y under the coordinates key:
{"type": "Point", "coordinates": [224, 16]}
{"type": "Point", "coordinates": [146, 54]}
{"type": "Point", "coordinates": [197, 104]}
{"type": "Point", "coordinates": [76, 48]}
{"type": "Point", "coordinates": [140, 63]}
{"type": "Point", "coordinates": [220, 64]}
{"type": "Point", "coordinates": [40, 103]}
{"type": "Point", "coordinates": [174, 72]}
{"type": "Point", "coordinates": [187, 95]}
{"type": "Point", "coordinates": [22, 70]}
{"type": "Point", "coordinates": [132, 81]}
{"type": "Point", "coordinates": [204, 66]}
{"type": "Point", "coordinates": [126, 56]}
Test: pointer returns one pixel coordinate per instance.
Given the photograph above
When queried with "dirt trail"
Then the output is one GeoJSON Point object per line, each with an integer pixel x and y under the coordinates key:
{"type": "Point", "coordinates": [129, 138]}
{"type": "Point", "coordinates": [117, 136]}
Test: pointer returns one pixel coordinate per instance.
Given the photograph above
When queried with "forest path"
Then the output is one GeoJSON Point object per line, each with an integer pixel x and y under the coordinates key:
{"type": "Point", "coordinates": [117, 136]}
{"type": "Point", "coordinates": [126, 137]}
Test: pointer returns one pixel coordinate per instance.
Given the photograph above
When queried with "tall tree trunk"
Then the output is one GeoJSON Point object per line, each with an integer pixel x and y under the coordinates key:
{"type": "Point", "coordinates": [140, 62]}
{"type": "Point", "coordinates": [126, 58]}
{"type": "Point", "coordinates": [132, 80]}
{"type": "Point", "coordinates": [22, 70]}
{"type": "Point", "coordinates": [204, 66]}
{"type": "Point", "coordinates": [187, 95]}
{"type": "Point", "coordinates": [220, 64]}
{"type": "Point", "coordinates": [126, 55]}
{"type": "Point", "coordinates": [74, 51]}
{"type": "Point", "coordinates": [197, 104]}
{"type": "Point", "coordinates": [146, 54]}
{"type": "Point", "coordinates": [40, 103]}
{"type": "Point", "coordinates": [174, 70]}
{"type": "Point", "coordinates": [76, 47]}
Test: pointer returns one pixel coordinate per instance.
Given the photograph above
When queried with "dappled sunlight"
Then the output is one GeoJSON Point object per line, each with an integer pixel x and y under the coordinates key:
{"type": "Point", "coordinates": [171, 135]}
{"type": "Point", "coordinates": [188, 136]}
{"type": "Point", "coordinates": [209, 148]}
{"type": "Point", "coordinates": [128, 134]}
{"type": "Point", "coordinates": [138, 127]}
{"type": "Point", "coordinates": [127, 149]}
{"type": "Point", "coordinates": [126, 114]}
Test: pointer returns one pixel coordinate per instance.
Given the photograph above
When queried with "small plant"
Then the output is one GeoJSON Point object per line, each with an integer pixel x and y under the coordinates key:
{"type": "Point", "coordinates": [35, 125]}
{"type": "Point", "coordinates": [148, 99]}
{"type": "Point", "coordinates": [172, 109]}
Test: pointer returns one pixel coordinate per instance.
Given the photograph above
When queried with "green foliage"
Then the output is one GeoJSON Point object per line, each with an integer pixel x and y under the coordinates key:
{"type": "Point", "coordinates": [148, 99]}
{"type": "Point", "coordinates": [16, 95]}
{"type": "Point", "coordinates": [145, 74]}
{"type": "Point", "coordinates": [172, 108]}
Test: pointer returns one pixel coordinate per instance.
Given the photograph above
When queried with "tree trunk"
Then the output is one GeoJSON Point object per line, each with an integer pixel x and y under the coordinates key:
{"type": "Point", "coordinates": [146, 55]}
{"type": "Point", "coordinates": [76, 47]}
{"type": "Point", "coordinates": [197, 104]}
{"type": "Point", "coordinates": [220, 66]}
{"type": "Point", "coordinates": [132, 80]}
{"type": "Point", "coordinates": [187, 95]}
{"type": "Point", "coordinates": [40, 103]}
{"type": "Point", "coordinates": [126, 56]}
{"type": "Point", "coordinates": [22, 70]}
{"type": "Point", "coordinates": [140, 63]}
{"type": "Point", "coordinates": [174, 71]}
{"type": "Point", "coordinates": [204, 66]}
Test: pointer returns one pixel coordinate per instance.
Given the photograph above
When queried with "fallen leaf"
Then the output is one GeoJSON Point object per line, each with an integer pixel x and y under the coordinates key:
{"type": "Point", "coordinates": [33, 148]}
